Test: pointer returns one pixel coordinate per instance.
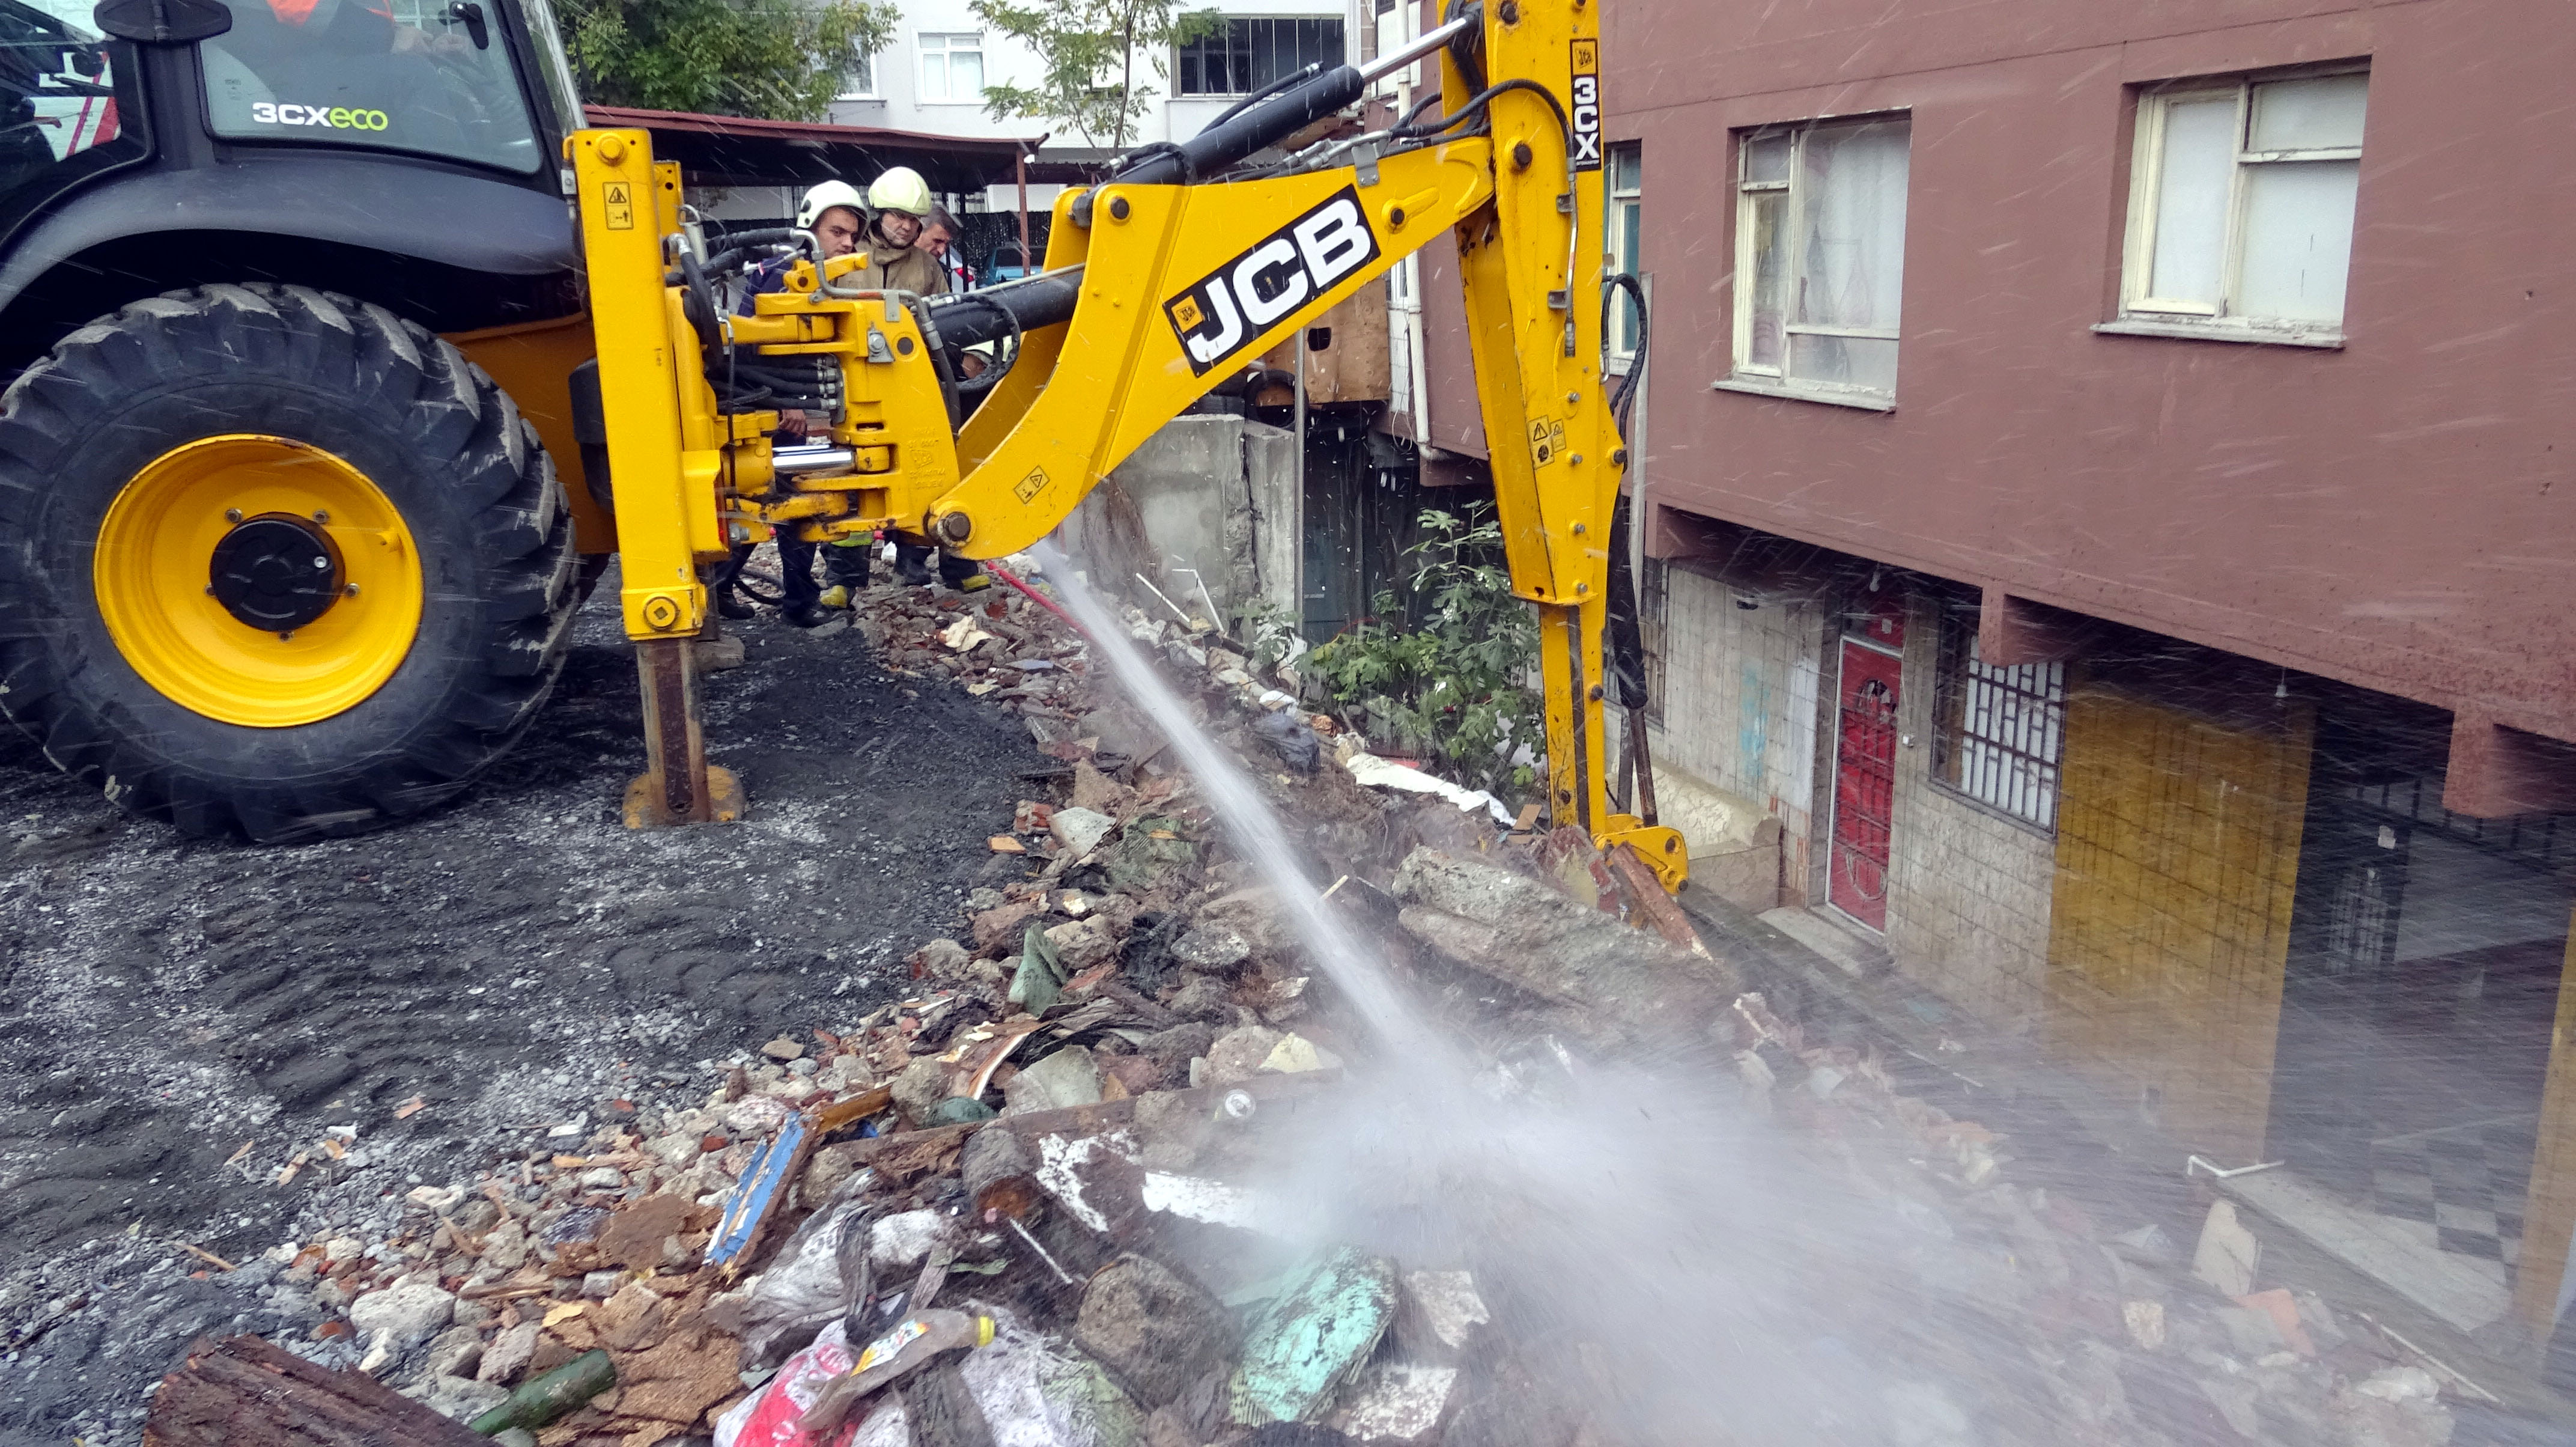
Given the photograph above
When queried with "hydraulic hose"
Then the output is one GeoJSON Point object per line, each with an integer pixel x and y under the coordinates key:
{"type": "Point", "coordinates": [995, 312]}
{"type": "Point", "coordinates": [1230, 140]}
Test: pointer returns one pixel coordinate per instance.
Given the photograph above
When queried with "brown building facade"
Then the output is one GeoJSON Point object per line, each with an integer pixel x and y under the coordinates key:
{"type": "Point", "coordinates": [2106, 481]}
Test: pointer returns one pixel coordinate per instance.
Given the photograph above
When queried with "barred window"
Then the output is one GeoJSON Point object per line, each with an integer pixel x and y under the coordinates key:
{"type": "Point", "coordinates": [2001, 729]}
{"type": "Point", "coordinates": [1242, 54]}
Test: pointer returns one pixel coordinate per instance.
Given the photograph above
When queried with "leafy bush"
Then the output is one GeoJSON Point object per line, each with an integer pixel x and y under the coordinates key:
{"type": "Point", "coordinates": [1451, 681]}
{"type": "Point", "coordinates": [775, 59]}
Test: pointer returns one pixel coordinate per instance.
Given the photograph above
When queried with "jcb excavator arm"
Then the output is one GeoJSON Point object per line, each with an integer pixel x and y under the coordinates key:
{"type": "Point", "coordinates": [1159, 284]}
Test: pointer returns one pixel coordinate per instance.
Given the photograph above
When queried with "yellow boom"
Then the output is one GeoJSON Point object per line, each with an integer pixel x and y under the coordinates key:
{"type": "Point", "coordinates": [1157, 287]}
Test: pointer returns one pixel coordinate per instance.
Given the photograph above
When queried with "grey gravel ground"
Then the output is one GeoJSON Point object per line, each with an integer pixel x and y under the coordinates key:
{"type": "Point", "coordinates": [516, 961]}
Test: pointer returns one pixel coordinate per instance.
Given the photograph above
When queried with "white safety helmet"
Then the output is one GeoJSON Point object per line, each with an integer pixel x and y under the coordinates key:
{"type": "Point", "coordinates": [824, 197]}
{"type": "Point", "coordinates": [901, 189]}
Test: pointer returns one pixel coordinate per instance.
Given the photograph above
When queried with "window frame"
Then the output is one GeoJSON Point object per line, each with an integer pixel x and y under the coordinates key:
{"type": "Point", "coordinates": [866, 59]}
{"type": "Point", "coordinates": [946, 50]}
{"type": "Point", "coordinates": [1744, 375]}
{"type": "Point", "coordinates": [1623, 215]}
{"type": "Point", "coordinates": [1955, 680]}
{"type": "Point", "coordinates": [2143, 314]}
{"type": "Point", "coordinates": [1225, 31]}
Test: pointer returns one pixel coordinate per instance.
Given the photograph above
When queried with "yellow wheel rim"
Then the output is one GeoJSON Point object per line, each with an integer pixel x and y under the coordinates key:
{"type": "Point", "coordinates": [320, 590]}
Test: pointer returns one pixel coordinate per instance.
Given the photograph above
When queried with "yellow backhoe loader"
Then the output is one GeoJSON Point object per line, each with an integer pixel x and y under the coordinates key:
{"type": "Point", "coordinates": [275, 557]}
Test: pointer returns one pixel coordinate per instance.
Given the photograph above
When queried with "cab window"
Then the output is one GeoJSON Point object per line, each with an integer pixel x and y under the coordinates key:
{"type": "Point", "coordinates": [430, 76]}
{"type": "Point", "coordinates": [59, 116]}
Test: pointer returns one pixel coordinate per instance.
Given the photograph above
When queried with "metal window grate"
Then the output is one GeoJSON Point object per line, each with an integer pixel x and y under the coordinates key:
{"type": "Point", "coordinates": [1243, 54]}
{"type": "Point", "coordinates": [2002, 730]}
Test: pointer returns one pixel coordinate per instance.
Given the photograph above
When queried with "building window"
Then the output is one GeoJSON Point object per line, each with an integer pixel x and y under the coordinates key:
{"type": "Point", "coordinates": [859, 77]}
{"type": "Point", "coordinates": [1241, 55]}
{"type": "Point", "coordinates": [2241, 204]}
{"type": "Point", "coordinates": [1820, 257]}
{"type": "Point", "coordinates": [1619, 240]}
{"type": "Point", "coordinates": [952, 68]}
{"type": "Point", "coordinates": [2001, 730]}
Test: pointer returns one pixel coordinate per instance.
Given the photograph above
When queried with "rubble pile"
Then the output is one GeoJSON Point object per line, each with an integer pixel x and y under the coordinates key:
{"type": "Point", "coordinates": [1021, 1206]}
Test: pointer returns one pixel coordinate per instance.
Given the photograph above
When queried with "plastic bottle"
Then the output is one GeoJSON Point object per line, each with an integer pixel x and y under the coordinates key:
{"type": "Point", "coordinates": [542, 1400]}
{"type": "Point", "coordinates": [914, 1343]}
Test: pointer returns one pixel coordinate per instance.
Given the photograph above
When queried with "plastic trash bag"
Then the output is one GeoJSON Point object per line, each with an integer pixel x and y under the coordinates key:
{"type": "Point", "coordinates": [812, 1281]}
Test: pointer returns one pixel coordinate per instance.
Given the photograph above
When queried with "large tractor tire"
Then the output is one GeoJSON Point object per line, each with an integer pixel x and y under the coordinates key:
{"type": "Point", "coordinates": [274, 562]}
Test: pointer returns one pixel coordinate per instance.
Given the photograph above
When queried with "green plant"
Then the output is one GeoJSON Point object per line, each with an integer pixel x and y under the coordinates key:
{"type": "Point", "coordinates": [1453, 681]}
{"type": "Point", "coordinates": [773, 59]}
{"type": "Point", "coordinates": [1089, 50]}
{"type": "Point", "coordinates": [1266, 629]}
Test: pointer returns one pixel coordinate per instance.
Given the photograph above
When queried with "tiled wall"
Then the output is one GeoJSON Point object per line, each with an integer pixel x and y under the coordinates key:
{"type": "Point", "coordinates": [1968, 890]}
{"type": "Point", "coordinates": [1740, 700]}
{"type": "Point", "coordinates": [2177, 859]}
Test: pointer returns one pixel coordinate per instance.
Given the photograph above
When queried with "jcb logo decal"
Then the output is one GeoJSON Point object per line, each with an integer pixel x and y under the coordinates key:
{"type": "Point", "coordinates": [337, 118]}
{"type": "Point", "coordinates": [1587, 105]}
{"type": "Point", "coordinates": [1221, 315]}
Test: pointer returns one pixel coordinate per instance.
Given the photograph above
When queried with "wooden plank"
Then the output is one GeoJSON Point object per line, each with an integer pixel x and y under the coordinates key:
{"type": "Point", "coordinates": [244, 1390]}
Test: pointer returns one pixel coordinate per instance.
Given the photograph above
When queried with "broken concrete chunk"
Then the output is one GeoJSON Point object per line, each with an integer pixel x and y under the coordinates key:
{"type": "Point", "coordinates": [783, 1048]}
{"type": "Point", "coordinates": [1295, 1055]}
{"type": "Point", "coordinates": [1398, 1404]}
{"type": "Point", "coordinates": [1212, 947]}
{"type": "Point", "coordinates": [1082, 944]}
{"type": "Point", "coordinates": [1441, 1312]}
{"type": "Point", "coordinates": [1237, 1055]}
{"type": "Point", "coordinates": [754, 1116]}
{"type": "Point", "coordinates": [508, 1354]}
{"type": "Point", "coordinates": [997, 929]}
{"type": "Point", "coordinates": [827, 1169]}
{"type": "Point", "coordinates": [1094, 790]}
{"type": "Point", "coordinates": [1080, 830]}
{"type": "Point", "coordinates": [1204, 998]}
{"type": "Point", "coordinates": [1312, 1337]}
{"type": "Point", "coordinates": [1155, 1331]}
{"type": "Point", "coordinates": [1070, 1076]}
{"type": "Point", "coordinates": [505, 1248]}
{"type": "Point", "coordinates": [455, 1352]}
{"type": "Point", "coordinates": [461, 1399]}
{"type": "Point", "coordinates": [919, 1088]}
{"type": "Point", "coordinates": [2228, 1254]}
{"type": "Point", "coordinates": [413, 1311]}
{"type": "Point", "coordinates": [943, 960]}
{"type": "Point", "coordinates": [1533, 936]}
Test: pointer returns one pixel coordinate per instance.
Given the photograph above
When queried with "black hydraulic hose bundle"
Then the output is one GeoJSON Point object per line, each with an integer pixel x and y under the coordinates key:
{"type": "Point", "coordinates": [1226, 141]}
{"type": "Point", "coordinates": [1623, 398]}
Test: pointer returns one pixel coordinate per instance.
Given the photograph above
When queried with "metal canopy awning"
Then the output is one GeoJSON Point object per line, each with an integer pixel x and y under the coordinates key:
{"type": "Point", "coordinates": [737, 151]}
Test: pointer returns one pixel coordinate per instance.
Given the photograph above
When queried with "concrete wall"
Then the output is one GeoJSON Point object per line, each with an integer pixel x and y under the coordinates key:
{"type": "Point", "coordinates": [1207, 501]}
{"type": "Point", "coordinates": [1968, 889]}
{"type": "Point", "coordinates": [1740, 709]}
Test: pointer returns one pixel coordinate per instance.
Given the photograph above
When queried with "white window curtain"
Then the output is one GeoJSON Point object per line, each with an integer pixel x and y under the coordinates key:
{"type": "Point", "coordinates": [1851, 216]}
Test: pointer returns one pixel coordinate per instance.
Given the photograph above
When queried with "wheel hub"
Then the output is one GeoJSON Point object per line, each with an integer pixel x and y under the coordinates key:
{"type": "Point", "coordinates": [276, 573]}
{"type": "Point", "coordinates": [257, 579]}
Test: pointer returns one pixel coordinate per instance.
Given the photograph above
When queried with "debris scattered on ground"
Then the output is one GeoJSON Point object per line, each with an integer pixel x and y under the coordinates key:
{"type": "Point", "coordinates": [1057, 1136]}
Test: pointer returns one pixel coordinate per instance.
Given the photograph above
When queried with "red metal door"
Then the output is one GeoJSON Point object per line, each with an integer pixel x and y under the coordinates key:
{"type": "Point", "coordinates": [1864, 784]}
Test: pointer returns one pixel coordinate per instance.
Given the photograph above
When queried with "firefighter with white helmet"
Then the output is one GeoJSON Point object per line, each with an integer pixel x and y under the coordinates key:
{"type": "Point", "coordinates": [837, 216]}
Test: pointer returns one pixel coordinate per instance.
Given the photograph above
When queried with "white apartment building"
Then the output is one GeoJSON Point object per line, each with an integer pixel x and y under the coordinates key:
{"type": "Point", "coordinates": [932, 77]}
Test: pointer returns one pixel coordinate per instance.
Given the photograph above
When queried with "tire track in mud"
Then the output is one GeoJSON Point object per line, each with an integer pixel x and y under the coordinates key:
{"type": "Point", "coordinates": [162, 1002]}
